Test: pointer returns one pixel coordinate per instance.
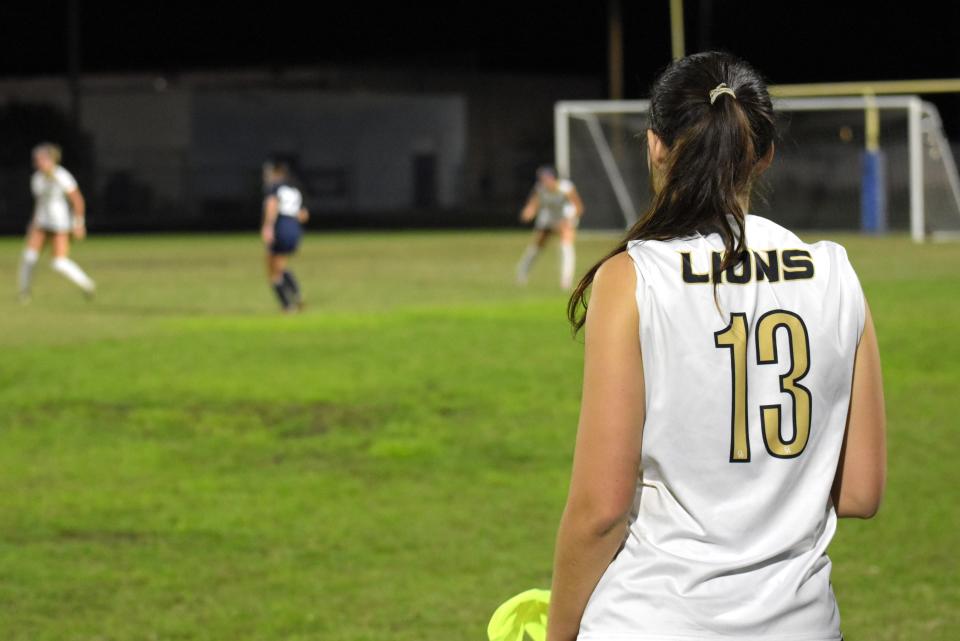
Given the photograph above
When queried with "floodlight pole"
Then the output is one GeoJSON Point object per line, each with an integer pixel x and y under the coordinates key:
{"type": "Point", "coordinates": [615, 50]}
{"type": "Point", "coordinates": [676, 29]}
{"type": "Point", "coordinates": [615, 64]}
{"type": "Point", "coordinates": [73, 58]}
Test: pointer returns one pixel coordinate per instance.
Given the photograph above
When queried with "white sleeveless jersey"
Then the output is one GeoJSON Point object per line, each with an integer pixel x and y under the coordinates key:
{"type": "Point", "coordinates": [746, 408]}
{"type": "Point", "coordinates": [51, 211]}
{"type": "Point", "coordinates": [555, 202]}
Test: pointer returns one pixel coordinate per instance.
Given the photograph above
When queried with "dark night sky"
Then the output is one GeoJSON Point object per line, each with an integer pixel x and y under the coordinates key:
{"type": "Point", "coordinates": [789, 41]}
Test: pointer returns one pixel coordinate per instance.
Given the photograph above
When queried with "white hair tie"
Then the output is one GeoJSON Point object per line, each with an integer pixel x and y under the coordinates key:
{"type": "Point", "coordinates": [719, 90]}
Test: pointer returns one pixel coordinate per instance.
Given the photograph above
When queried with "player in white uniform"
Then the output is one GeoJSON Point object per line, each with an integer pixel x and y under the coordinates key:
{"type": "Point", "coordinates": [58, 212]}
{"type": "Point", "coordinates": [732, 398]}
{"type": "Point", "coordinates": [554, 206]}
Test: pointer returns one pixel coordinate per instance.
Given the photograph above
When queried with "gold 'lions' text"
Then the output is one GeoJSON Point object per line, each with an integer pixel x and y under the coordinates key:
{"type": "Point", "coordinates": [773, 265]}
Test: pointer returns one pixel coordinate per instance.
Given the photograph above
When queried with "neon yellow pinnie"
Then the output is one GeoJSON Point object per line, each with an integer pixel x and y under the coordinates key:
{"type": "Point", "coordinates": [521, 618]}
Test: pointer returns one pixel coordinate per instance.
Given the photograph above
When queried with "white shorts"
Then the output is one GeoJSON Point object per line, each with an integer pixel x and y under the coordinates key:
{"type": "Point", "coordinates": [53, 219]}
{"type": "Point", "coordinates": [546, 219]}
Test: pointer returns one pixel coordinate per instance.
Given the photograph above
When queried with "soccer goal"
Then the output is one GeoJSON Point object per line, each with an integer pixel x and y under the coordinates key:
{"type": "Point", "coordinates": [867, 163]}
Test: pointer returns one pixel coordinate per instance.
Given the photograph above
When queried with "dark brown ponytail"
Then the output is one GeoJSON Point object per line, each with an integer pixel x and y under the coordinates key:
{"type": "Point", "coordinates": [715, 147]}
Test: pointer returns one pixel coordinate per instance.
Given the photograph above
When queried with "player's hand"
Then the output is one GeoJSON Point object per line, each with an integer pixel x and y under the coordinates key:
{"type": "Point", "coordinates": [79, 231]}
{"type": "Point", "coordinates": [266, 233]}
{"type": "Point", "coordinates": [527, 215]}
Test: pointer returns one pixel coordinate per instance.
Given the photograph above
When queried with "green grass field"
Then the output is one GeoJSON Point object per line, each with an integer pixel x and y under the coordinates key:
{"type": "Point", "coordinates": [179, 461]}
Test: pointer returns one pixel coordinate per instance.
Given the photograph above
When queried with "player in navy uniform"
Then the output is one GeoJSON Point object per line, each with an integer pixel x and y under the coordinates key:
{"type": "Point", "coordinates": [283, 214]}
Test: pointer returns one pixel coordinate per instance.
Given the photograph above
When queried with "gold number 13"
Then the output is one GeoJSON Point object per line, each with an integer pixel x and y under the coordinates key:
{"type": "Point", "coordinates": [734, 338]}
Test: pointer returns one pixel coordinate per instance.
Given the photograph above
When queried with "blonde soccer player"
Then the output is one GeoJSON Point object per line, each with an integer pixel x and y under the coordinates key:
{"type": "Point", "coordinates": [732, 399]}
{"type": "Point", "coordinates": [58, 213]}
{"type": "Point", "coordinates": [554, 206]}
{"type": "Point", "coordinates": [281, 231]}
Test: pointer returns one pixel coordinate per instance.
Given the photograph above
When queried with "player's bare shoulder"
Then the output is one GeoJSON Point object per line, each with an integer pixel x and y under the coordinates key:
{"type": "Point", "coordinates": [616, 279]}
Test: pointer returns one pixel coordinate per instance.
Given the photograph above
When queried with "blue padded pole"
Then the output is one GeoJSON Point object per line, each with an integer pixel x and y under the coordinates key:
{"type": "Point", "coordinates": [873, 193]}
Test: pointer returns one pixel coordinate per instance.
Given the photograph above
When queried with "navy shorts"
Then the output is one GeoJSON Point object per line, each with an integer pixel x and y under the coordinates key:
{"type": "Point", "coordinates": [286, 235]}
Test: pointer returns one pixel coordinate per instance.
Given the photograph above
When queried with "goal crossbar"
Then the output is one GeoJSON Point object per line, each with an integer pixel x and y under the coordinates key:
{"type": "Point", "coordinates": [922, 118]}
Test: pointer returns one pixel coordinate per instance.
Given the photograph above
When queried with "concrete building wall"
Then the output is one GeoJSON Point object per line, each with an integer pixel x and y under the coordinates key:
{"type": "Point", "coordinates": [377, 144]}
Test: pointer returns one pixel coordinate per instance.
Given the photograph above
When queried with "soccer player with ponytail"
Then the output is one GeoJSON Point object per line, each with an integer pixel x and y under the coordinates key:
{"type": "Point", "coordinates": [281, 231]}
{"type": "Point", "coordinates": [732, 398]}
{"type": "Point", "coordinates": [59, 211]}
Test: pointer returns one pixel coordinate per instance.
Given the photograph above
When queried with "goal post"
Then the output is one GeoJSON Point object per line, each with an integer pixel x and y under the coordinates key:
{"type": "Point", "coordinates": [831, 170]}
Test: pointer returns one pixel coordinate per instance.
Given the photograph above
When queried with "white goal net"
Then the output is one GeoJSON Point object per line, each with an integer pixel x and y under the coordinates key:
{"type": "Point", "coordinates": [815, 181]}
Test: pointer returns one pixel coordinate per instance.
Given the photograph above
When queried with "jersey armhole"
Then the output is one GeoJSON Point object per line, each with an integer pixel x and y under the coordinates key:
{"type": "Point", "coordinates": [633, 250]}
{"type": "Point", "coordinates": [66, 180]}
{"type": "Point", "coordinates": [272, 190]}
{"type": "Point", "coordinates": [862, 316]}
{"type": "Point", "coordinates": [855, 289]}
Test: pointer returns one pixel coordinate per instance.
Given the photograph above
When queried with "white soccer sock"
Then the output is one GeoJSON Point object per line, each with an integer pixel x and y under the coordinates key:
{"type": "Point", "coordinates": [526, 262]}
{"type": "Point", "coordinates": [73, 272]}
{"type": "Point", "coordinates": [27, 263]}
{"type": "Point", "coordinates": [568, 260]}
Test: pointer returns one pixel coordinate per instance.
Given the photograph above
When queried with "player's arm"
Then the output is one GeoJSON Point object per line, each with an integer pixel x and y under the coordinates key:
{"type": "Point", "coordinates": [861, 475]}
{"type": "Point", "coordinates": [606, 460]}
{"type": "Point", "coordinates": [529, 211]}
{"type": "Point", "coordinates": [79, 207]}
{"type": "Point", "coordinates": [303, 215]}
{"type": "Point", "coordinates": [271, 209]}
{"type": "Point", "coordinates": [574, 197]}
